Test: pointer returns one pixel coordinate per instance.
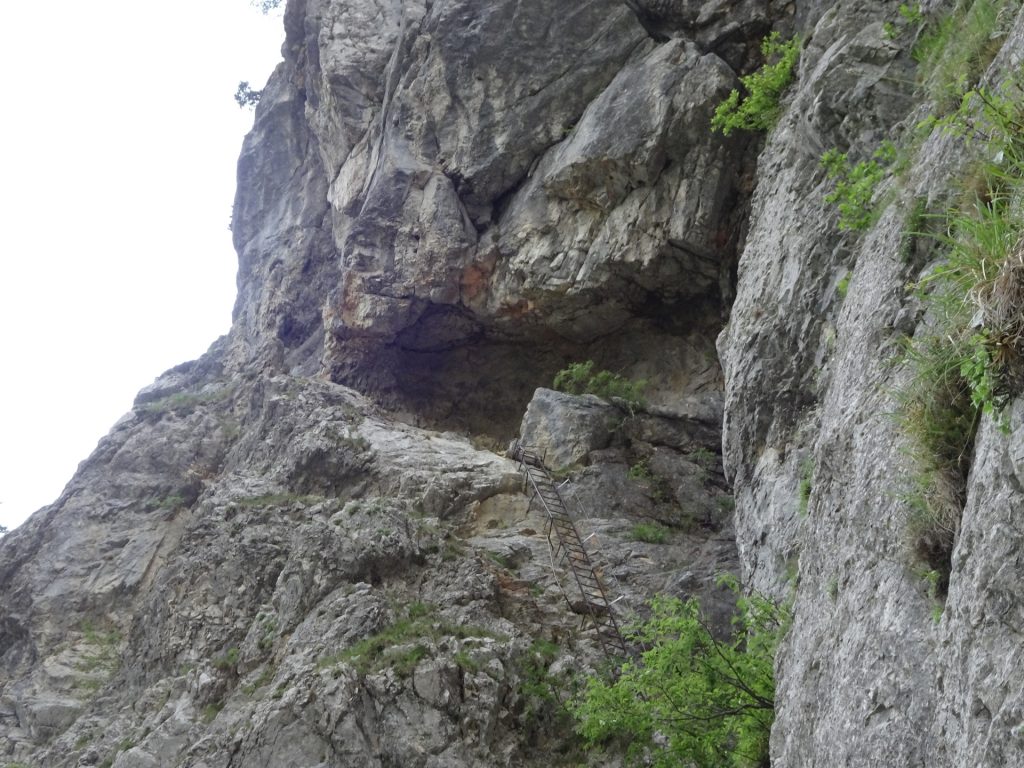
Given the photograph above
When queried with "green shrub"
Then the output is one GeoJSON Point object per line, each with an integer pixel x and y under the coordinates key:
{"type": "Point", "coordinates": [957, 48]}
{"type": "Point", "coordinates": [264, 678]}
{"type": "Point", "coordinates": [843, 286]}
{"type": "Point", "coordinates": [976, 295]}
{"type": "Point", "coordinates": [420, 610]}
{"type": "Point", "coordinates": [692, 700]}
{"type": "Point", "coordinates": [968, 361]}
{"type": "Point", "coordinates": [99, 656]}
{"type": "Point", "coordinates": [913, 228]}
{"type": "Point", "coordinates": [283, 499]}
{"type": "Point", "coordinates": [246, 95]}
{"type": "Point", "coordinates": [649, 533]}
{"type": "Point", "coordinates": [703, 458]}
{"type": "Point", "coordinates": [465, 662]}
{"type": "Point", "coordinates": [268, 631]}
{"type": "Point", "coordinates": [910, 19]}
{"type": "Point", "coordinates": [404, 643]}
{"type": "Point", "coordinates": [856, 184]}
{"type": "Point", "coordinates": [640, 471]}
{"type": "Point", "coordinates": [759, 109]}
{"type": "Point", "coordinates": [170, 502]}
{"type": "Point", "coordinates": [542, 691]}
{"type": "Point", "coordinates": [228, 661]}
{"type": "Point", "coordinates": [210, 711]}
{"type": "Point", "coordinates": [581, 379]}
{"type": "Point", "coordinates": [184, 403]}
{"type": "Point", "coordinates": [404, 661]}
{"type": "Point", "coordinates": [911, 14]}
{"type": "Point", "coordinates": [939, 422]}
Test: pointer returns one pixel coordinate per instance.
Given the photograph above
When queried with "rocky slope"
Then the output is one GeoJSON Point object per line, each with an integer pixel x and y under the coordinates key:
{"type": "Point", "coordinates": [306, 548]}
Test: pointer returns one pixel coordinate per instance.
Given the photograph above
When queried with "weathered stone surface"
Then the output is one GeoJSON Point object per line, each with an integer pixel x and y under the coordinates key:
{"type": "Point", "coordinates": [429, 136]}
{"type": "Point", "coordinates": [306, 521]}
{"type": "Point", "coordinates": [865, 677]}
{"type": "Point", "coordinates": [723, 27]}
{"type": "Point", "coordinates": [564, 429]}
{"type": "Point", "coordinates": [442, 204]}
{"type": "Point", "coordinates": [630, 208]}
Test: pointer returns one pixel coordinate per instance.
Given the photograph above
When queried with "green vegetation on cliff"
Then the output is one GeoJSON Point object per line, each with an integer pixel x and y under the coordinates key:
{"type": "Point", "coordinates": [582, 379]}
{"type": "Point", "coordinates": [856, 184]}
{"type": "Point", "coordinates": [969, 360]}
{"type": "Point", "coordinates": [759, 108]}
{"type": "Point", "coordinates": [691, 699]}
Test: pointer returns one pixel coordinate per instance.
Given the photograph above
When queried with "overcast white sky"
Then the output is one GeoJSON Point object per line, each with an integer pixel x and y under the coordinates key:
{"type": "Point", "coordinates": [118, 144]}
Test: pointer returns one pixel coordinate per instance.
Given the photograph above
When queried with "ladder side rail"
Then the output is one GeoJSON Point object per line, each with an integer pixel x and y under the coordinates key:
{"type": "Point", "coordinates": [583, 566]}
{"type": "Point", "coordinates": [547, 507]}
{"type": "Point", "coordinates": [598, 607]}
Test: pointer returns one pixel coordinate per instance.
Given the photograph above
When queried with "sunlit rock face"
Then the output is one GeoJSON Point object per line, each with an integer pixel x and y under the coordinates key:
{"type": "Point", "coordinates": [307, 549]}
{"type": "Point", "coordinates": [507, 190]}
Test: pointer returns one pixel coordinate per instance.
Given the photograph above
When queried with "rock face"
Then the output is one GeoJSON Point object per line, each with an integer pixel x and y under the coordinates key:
{"type": "Point", "coordinates": [866, 677]}
{"type": "Point", "coordinates": [304, 549]}
{"type": "Point", "coordinates": [461, 187]}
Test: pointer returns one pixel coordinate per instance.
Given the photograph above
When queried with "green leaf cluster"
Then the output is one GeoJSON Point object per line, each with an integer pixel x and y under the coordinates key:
{"type": "Point", "coordinates": [649, 533]}
{"type": "Point", "coordinates": [759, 109]}
{"type": "Point", "coordinates": [691, 699]}
{"type": "Point", "coordinates": [246, 95]}
{"type": "Point", "coordinates": [956, 49]}
{"type": "Point", "coordinates": [640, 471]}
{"type": "Point", "coordinates": [537, 685]}
{"type": "Point", "coordinates": [978, 370]}
{"type": "Point", "coordinates": [184, 403]}
{"type": "Point", "coordinates": [582, 379]}
{"type": "Point", "coordinates": [404, 643]}
{"type": "Point", "coordinates": [266, 6]}
{"type": "Point", "coordinates": [228, 662]}
{"type": "Point", "coordinates": [976, 295]}
{"type": "Point", "coordinates": [969, 360]}
{"type": "Point", "coordinates": [911, 18]}
{"type": "Point", "coordinates": [856, 184]}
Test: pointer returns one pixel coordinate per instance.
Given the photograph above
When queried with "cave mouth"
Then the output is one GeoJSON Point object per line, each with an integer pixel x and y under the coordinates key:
{"type": "Point", "coordinates": [448, 371]}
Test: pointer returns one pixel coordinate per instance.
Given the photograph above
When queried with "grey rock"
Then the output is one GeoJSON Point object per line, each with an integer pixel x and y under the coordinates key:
{"type": "Point", "coordinates": [441, 205]}
{"type": "Point", "coordinates": [564, 429]}
{"type": "Point", "coordinates": [865, 677]}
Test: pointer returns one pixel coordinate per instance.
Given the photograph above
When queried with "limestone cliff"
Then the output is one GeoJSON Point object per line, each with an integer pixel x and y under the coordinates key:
{"type": "Point", "coordinates": [306, 548]}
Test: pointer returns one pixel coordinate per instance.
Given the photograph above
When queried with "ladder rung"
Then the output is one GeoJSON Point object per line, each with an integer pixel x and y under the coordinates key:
{"type": "Point", "coordinates": [568, 539]}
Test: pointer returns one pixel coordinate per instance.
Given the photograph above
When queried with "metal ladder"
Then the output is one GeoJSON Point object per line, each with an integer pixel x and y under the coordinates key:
{"type": "Point", "coordinates": [568, 550]}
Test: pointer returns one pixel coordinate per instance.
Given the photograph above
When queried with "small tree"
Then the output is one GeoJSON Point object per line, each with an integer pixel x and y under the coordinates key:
{"type": "Point", "coordinates": [266, 6]}
{"type": "Point", "coordinates": [246, 96]}
{"type": "Point", "coordinates": [691, 700]}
